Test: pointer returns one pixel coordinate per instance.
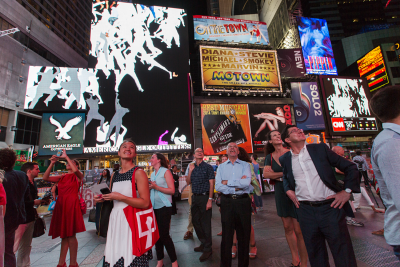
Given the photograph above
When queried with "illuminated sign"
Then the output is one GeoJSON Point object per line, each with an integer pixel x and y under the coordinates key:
{"type": "Point", "coordinates": [346, 105]}
{"type": "Point", "coordinates": [316, 46]}
{"type": "Point", "coordinates": [307, 106]}
{"type": "Point", "coordinates": [61, 131]}
{"type": "Point", "coordinates": [372, 67]}
{"type": "Point", "coordinates": [230, 30]}
{"type": "Point", "coordinates": [291, 62]}
{"type": "Point", "coordinates": [223, 124]}
{"type": "Point", "coordinates": [266, 118]}
{"type": "Point", "coordinates": [139, 65]}
{"type": "Point", "coordinates": [237, 68]}
{"type": "Point", "coordinates": [312, 139]}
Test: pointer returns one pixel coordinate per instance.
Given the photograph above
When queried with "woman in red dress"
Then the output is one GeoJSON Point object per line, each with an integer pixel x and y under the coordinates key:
{"type": "Point", "coordinates": [67, 217]}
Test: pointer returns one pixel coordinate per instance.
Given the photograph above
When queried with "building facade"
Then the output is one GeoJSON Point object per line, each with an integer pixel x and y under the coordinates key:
{"type": "Point", "coordinates": [34, 45]}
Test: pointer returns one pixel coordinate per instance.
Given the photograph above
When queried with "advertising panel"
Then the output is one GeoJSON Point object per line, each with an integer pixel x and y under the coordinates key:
{"type": "Point", "coordinates": [61, 131]}
{"type": "Point", "coordinates": [230, 30]}
{"type": "Point", "coordinates": [266, 118]}
{"type": "Point", "coordinates": [139, 65]}
{"type": "Point", "coordinates": [372, 67]}
{"type": "Point", "coordinates": [291, 63]}
{"type": "Point", "coordinates": [223, 124]}
{"type": "Point", "coordinates": [307, 106]}
{"type": "Point", "coordinates": [316, 46]}
{"type": "Point", "coordinates": [347, 106]}
{"type": "Point", "coordinates": [237, 68]}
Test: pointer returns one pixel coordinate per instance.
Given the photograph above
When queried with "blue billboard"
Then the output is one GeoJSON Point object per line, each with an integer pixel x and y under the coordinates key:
{"type": "Point", "coordinates": [208, 28]}
{"type": "Point", "coordinates": [307, 106]}
{"type": "Point", "coordinates": [316, 46]}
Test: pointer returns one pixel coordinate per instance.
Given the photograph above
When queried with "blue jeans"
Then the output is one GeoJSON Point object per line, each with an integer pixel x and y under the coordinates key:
{"type": "Point", "coordinates": [258, 201]}
{"type": "Point", "coordinates": [396, 250]}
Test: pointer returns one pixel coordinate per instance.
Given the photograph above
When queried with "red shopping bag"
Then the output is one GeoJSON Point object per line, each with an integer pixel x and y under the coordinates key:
{"type": "Point", "coordinates": [143, 225]}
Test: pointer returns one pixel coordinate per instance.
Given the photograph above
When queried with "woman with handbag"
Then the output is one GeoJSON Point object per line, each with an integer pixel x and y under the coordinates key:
{"type": "Point", "coordinates": [105, 178]}
{"type": "Point", "coordinates": [120, 242]}
{"type": "Point", "coordinates": [284, 206]}
{"type": "Point", "coordinates": [162, 188]}
{"type": "Point", "coordinates": [67, 219]}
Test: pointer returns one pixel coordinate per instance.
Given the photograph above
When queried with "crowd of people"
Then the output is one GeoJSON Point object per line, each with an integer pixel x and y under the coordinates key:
{"type": "Point", "coordinates": [314, 186]}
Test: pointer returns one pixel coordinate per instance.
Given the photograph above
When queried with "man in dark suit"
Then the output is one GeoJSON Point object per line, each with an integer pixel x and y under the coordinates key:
{"type": "Point", "coordinates": [309, 181]}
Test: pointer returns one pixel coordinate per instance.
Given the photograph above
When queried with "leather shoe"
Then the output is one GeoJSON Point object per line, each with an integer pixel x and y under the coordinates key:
{"type": "Point", "coordinates": [188, 235]}
{"type": "Point", "coordinates": [205, 256]}
{"type": "Point", "coordinates": [199, 248]}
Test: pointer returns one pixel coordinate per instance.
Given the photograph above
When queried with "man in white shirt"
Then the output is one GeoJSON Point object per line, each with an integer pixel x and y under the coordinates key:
{"type": "Point", "coordinates": [310, 182]}
{"type": "Point", "coordinates": [386, 162]}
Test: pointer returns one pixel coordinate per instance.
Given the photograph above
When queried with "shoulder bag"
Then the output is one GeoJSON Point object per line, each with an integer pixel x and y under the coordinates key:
{"type": "Point", "coordinates": [82, 202]}
{"type": "Point", "coordinates": [271, 181]}
{"type": "Point", "coordinates": [105, 212]}
{"type": "Point", "coordinates": [143, 225]}
{"type": "Point", "coordinates": [39, 228]}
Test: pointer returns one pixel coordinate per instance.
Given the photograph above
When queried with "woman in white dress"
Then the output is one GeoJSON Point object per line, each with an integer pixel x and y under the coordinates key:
{"type": "Point", "coordinates": [118, 252]}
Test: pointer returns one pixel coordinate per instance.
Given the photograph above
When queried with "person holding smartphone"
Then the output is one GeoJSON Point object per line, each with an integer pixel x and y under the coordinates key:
{"type": "Point", "coordinates": [162, 188]}
{"type": "Point", "coordinates": [67, 217]}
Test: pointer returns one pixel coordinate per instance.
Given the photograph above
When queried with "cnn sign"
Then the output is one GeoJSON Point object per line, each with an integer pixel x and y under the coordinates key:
{"type": "Point", "coordinates": [338, 125]}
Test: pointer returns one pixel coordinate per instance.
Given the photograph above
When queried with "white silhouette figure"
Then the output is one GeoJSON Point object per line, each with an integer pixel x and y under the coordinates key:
{"type": "Point", "coordinates": [63, 131]}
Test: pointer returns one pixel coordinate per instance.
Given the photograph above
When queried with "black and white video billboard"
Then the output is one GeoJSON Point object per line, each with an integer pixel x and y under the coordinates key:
{"type": "Point", "coordinates": [347, 106]}
{"type": "Point", "coordinates": [136, 85]}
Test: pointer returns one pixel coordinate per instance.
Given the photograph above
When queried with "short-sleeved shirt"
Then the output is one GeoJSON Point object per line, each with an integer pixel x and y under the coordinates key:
{"type": "Point", "coordinates": [200, 177]}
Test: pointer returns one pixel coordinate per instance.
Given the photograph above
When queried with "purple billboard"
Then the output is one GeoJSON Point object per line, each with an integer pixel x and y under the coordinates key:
{"type": "Point", "coordinates": [291, 62]}
{"type": "Point", "coordinates": [307, 106]}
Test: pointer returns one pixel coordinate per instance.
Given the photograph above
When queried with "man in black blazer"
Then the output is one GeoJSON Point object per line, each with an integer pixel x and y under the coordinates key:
{"type": "Point", "coordinates": [309, 181]}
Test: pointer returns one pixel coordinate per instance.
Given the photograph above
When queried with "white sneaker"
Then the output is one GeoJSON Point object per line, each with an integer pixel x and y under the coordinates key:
{"type": "Point", "coordinates": [354, 222]}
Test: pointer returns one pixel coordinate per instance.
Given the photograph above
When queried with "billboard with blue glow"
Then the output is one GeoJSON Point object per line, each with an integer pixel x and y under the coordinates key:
{"type": "Point", "coordinates": [316, 46]}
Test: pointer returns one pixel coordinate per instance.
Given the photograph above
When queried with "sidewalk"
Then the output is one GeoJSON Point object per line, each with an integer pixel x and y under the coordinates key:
{"type": "Point", "coordinates": [370, 250]}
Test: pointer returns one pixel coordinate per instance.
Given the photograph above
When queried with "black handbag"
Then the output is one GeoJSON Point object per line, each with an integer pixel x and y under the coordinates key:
{"type": "Point", "coordinates": [39, 227]}
{"type": "Point", "coordinates": [92, 215]}
{"type": "Point", "coordinates": [105, 212]}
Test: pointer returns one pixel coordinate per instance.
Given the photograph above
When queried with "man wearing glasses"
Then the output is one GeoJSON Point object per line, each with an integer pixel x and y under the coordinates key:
{"type": "Point", "coordinates": [201, 177]}
{"type": "Point", "coordinates": [309, 181]}
{"type": "Point", "coordinates": [233, 181]}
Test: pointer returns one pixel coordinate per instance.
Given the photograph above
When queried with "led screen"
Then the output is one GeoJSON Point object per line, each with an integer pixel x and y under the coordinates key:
{"type": "Point", "coordinates": [137, 84]}
{"type": "Point", "coordinates": [61, 131]}
{"type": "Point", "coordinates": [347, 108]}
{"type": "Point", "coordinates": [230, 30]}
{"type": "Point", "coordinates": [266, 118]}
{"type": "Point", "coordinates": [232, 68]}
{"type": "Point", "coordinates": [223, 124]}
{"type": "Point", "coordinates": [316, 46]}
{"type": "Point", "coordinates": [291, 63]}
{"type": "Point", "coordinates": [372, 67]}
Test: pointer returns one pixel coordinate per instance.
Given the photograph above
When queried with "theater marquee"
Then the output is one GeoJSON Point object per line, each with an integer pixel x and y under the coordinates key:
{"type": "Point", "coordinates": [230, 68]}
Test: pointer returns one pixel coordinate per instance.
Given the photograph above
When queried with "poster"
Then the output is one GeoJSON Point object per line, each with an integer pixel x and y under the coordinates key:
{"type": "Point", "coordinates": [316, 46]}
{"type": "Point", "coordinates": [373, 68]}
{"type": "Point", "coordinates": [61, 131]}
{"type": "Point", "coordinates": [291, 63]}
{"type": "Point", "coordinates": [347, 106]}
{"type": "Point", "coordinates": [266, 118]}
{"type": "Point", "coordinates": [230, 30]}
{"type": "Point", "coordinates": [239, 68]}
{"type": "Point", "coordinates": [223, 124]}
{"type": "Point", "coordinates": [307, 106]}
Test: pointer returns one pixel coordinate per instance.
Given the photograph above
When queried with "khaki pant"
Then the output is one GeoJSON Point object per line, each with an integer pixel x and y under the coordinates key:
{"type": "Point", "coordinates": [23, 243]}
{"type": "Point", "coordinates": [190, 225]}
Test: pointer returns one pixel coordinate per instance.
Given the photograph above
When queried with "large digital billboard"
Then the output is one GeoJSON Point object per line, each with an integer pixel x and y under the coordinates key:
{"type": "Point", "coordinates": [307, 106]}
{"type": "Point", "coordinates": [208, 28]}
{"type": "Point", "coordinates": [61, 131]}
{"type": "Point", "coordinates": [347, 106]}
{"type": "Point", "coordinates": [372, 67]}
{"type": "Point", "coordinates": [232, 68]}
{"type": "Point", "coordinates": [291, 63]}
{"type": "Point", "coordinates": [223, 124]}
{"type": "Point", "coordinates": [139, 65]}
{"type": "Point", "coordinates": [266, 118]}
{"type": "Point", "coordinates": [316, 46]}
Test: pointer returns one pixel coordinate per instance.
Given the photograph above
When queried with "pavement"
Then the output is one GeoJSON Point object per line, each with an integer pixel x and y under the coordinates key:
{"type": "Point", "coordinates": [273, 250]}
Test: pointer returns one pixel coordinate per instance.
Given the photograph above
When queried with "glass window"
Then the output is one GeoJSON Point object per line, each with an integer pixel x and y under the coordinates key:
{"type": "Point", "coordinates": [395, 72]}
{"type": "Point", "coordinates": [28, 130]}
{"type": "Point", "coordinates": [391, 55]}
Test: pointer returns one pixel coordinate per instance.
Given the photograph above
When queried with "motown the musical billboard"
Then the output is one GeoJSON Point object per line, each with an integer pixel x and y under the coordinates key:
{"type": "Point", "coordinates": [231, 68]}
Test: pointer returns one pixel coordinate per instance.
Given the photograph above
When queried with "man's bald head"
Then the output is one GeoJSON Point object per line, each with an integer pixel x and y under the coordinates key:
{"type": "Point", "coordinates": [338, 150]}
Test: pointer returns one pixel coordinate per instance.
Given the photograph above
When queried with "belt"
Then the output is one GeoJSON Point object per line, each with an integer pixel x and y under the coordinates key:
{"type": "Point", "coordinates": [232, 196]}
{"type": "Point", "coordinates": [202, 194]}
{"type": "Point", "coordinates": [317, 203]}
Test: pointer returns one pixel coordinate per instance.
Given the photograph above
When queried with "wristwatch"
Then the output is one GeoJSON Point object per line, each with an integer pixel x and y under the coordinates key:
{"type": "Point", "coordinates": [348, 190]}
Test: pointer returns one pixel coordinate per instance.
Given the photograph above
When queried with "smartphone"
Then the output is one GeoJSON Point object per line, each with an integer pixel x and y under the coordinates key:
{"type": "Point", "coordinates": [105, 191]}
{"type": "Point", "coordinates": [59, 152]}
